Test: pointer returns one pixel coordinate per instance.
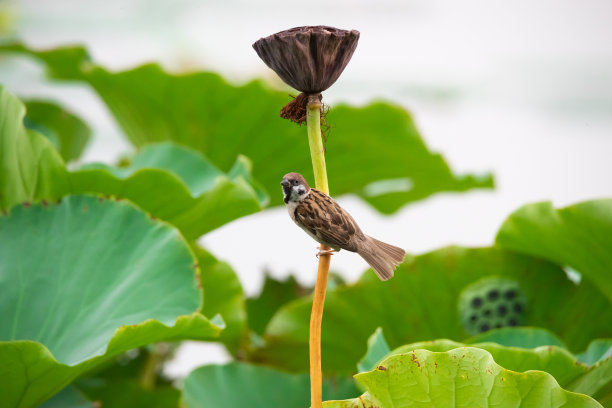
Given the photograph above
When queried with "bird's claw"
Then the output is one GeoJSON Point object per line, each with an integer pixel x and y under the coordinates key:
{"type": "Point", "coordinates": [324, 252]}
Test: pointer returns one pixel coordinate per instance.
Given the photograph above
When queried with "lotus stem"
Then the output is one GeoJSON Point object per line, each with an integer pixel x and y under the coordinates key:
{"type": "Point", "coordinates": [148, 374]}
{"type": "Point", "coordinates": [317, 154]}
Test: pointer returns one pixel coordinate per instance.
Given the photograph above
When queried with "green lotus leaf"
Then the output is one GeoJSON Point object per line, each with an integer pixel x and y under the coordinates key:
{"type": "Point", "coordinates": [31, 168]}
{"type": "Point", "coordinates": [597, 382]}
{"type": "Point", "coordinates": [171, 182]}
{"type": "Point", "coordinates": [554, 360]}
{"type": "Point", "coordinates": [598, 350]}
{"type": "Point", "coordinates": [68, 133]}
{"type": "Point", "coordinates": [463, 377]}
{"type": "Point", "coordinates": [215, 386]}
{"type": "Point", "coordinates": [596, 358]}
{"type": "Point", "coordinates": [377, 349]}
{"type": "Point", "coordinates": [420, 302]}
{"type": "Point", "coordinates": [127, 393]}
{"type": "Point", "coordinates": [605, 399]}
{"type": "Point", "coordinates": [177, 184]}
{"type": "Point", "coordinates": [275, 293]}
{"type": "Point", "coordinates": [203, 111]}
{"type": "Point", "coordinates": [223, 295]}
{"type": "Point", "coordinates": [578, 236]}
{"type": "Point", "coordinates": [524, 337]}
{"type": "Point", "coordinates": [83, 280]}
{"type": "Point", "coordinates": [132, 379]}
{"type": "Point", "coordinates": [69, 397]}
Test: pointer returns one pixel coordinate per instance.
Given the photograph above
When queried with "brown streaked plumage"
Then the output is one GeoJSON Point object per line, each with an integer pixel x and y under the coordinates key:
{"type": "Point", "coordinates": [329, 224]}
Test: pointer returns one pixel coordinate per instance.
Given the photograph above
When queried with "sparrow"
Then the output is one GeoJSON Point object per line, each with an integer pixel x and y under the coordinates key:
{"type": "Point", "coordinates": [329, 224]}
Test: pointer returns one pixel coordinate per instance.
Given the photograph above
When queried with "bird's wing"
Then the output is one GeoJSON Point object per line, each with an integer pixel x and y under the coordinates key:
{"type": "Point", "coordinates": [323, 218]}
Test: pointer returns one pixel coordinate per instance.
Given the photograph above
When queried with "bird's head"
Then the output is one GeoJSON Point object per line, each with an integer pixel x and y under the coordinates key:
{"type": "Point", "coordinates": [295, 188]}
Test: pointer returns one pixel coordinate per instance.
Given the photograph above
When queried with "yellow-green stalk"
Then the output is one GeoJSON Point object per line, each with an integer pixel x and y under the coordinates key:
{"type": "Point", "coordinates": [317, 154]}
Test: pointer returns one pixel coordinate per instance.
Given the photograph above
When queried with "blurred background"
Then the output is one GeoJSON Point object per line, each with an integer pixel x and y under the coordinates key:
{"type": "Point", "coordinates": [522, 89]}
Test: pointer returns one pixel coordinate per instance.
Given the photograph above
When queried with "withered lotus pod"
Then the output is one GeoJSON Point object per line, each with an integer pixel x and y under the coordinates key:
{"type": "Point", "coordinates": [309, 59]}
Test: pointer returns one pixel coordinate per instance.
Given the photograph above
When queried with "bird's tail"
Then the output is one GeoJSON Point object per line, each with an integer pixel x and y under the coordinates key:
{"type": "Point", "coordinates": [382, 257]}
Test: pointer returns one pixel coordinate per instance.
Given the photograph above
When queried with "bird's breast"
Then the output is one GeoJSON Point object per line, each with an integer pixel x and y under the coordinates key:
{"type": "Point", "coordinates": [291, 206]}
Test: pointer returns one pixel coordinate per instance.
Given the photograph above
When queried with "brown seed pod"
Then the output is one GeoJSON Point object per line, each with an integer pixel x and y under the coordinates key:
{"type": "Point", "coordinates": [309, 59]}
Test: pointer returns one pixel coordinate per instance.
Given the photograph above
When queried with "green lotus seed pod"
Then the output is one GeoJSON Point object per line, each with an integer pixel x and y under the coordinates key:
{"type": "Point", "coordinates": [492, 303]}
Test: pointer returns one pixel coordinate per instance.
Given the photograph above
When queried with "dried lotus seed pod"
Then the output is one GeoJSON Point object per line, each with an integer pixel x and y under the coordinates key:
{"type": "Point", "coordinates": [309, 59]}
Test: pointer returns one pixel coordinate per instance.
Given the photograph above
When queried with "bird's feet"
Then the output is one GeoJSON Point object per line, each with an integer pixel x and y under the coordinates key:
{"type": "Point", "coordinates": [325, 252]}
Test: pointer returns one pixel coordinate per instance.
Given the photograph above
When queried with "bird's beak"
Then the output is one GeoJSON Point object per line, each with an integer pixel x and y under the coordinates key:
{"type": "Point", "coordinates": [285, 183]}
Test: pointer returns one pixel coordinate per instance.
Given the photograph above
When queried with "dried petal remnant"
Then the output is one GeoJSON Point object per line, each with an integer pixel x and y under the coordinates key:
{"type": "Point", "coordinates": [310, 59]}
{"type": "Point", "coordinates": [296, 109]}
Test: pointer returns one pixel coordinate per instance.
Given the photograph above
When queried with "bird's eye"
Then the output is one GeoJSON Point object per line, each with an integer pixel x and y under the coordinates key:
{"type": "Point", "coordinates": [295, 182]}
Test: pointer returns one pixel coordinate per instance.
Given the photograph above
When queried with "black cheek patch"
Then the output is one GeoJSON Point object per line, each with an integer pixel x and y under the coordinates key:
{"type": "Point", "coordinates": [287, 193]}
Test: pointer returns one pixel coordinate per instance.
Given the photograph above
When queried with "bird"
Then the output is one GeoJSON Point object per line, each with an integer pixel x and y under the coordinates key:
{"type": "Point", "coordinates": [326, 222]}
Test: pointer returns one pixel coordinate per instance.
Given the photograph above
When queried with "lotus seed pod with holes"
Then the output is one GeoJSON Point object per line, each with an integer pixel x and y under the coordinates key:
{"type": "Point", "coordinates": [492, 303]}
{"type": "Point", "coordinates": [309, 59]}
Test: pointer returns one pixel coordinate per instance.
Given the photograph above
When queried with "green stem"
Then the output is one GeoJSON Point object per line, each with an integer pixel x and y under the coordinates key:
{"type": "Point", "coordinates": [148, 373]}
{"type": "Point", "coordinates": [317, 153]}
{"type": "Point", "coordinates": [313, 122]}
